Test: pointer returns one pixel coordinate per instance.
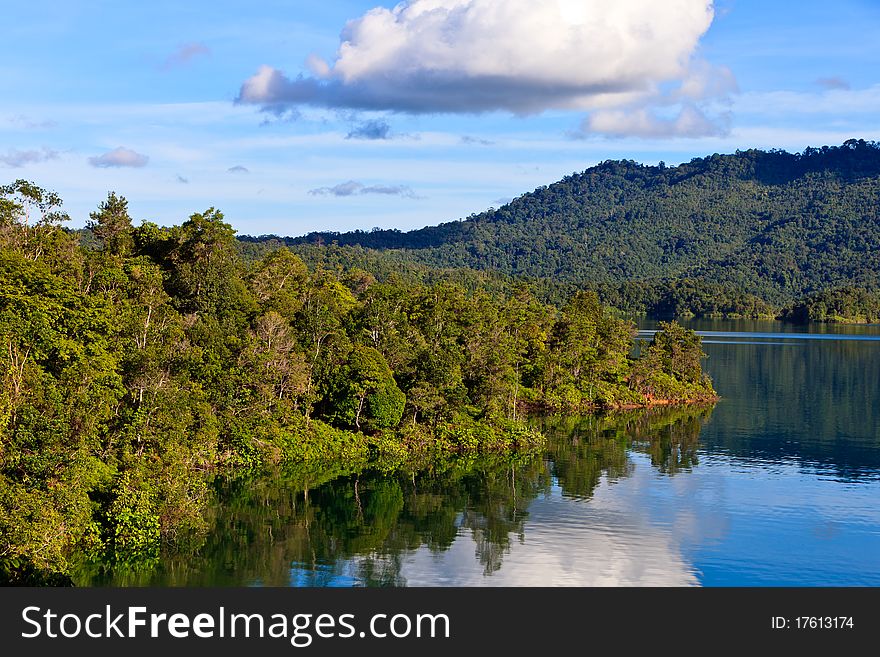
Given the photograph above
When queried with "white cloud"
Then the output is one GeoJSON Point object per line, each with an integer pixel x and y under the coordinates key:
{"type": "Point", "coordinates": [706, 81]}
{"type": "Point", "coordinates": [119, 157]}
{"type": "Point", "coordinates": [16, 159]}
{"type": "Point", "coordinates": [641, 122]}
{"type": "Point", "coordinates": [521, 56]}
{"type": "Point", "coordinates": [354, 188]}
{"type": "Point", "coordinates": [612, 539]}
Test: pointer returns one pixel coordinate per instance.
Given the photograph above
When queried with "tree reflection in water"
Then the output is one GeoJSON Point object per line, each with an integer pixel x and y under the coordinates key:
{"type": "Point", "coordinates": [335, 527]}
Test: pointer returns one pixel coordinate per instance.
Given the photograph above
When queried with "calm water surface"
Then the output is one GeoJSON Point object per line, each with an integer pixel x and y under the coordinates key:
{"type": "Point", "coordinates": [777, 484]}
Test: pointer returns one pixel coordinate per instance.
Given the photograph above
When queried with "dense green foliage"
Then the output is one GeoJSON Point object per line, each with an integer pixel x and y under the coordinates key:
{"type": "Point", "coordinates": [845, 305]}
{"type": "Point", "coordinates": [135, 363]}
{"type": "Point", "coordinates": [683, 298]}
{"type": "Point", "coordinates": [317, 528]}
{"type": "Point", "coordinates": [724, 234]}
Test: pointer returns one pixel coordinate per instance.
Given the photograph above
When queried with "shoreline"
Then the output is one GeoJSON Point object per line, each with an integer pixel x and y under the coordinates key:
{"type": "Point", "coordinates": [531, 408]}
{"type": "Point", "coordinates": [654, 403]}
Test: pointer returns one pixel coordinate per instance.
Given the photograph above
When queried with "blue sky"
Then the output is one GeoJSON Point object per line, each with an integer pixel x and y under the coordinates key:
{"type": "Point", "coordinates": [298, 116]}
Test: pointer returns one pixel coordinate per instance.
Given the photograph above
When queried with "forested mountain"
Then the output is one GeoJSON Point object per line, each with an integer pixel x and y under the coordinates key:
{"type": "Point", "coordinates": [756, 226]}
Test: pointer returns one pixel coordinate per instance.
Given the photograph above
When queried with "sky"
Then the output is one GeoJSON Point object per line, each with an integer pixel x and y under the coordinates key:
{"type": "Point", "coordinates": [298, 116]}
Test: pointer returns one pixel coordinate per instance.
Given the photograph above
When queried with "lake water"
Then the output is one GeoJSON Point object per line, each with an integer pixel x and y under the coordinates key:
{"type": "Point", "coordinates": [777, 484]}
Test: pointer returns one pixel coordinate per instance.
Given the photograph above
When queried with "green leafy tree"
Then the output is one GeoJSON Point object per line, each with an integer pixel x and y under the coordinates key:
{"type": "Point", "coordinates": [206, 276]}
{"type": "Point", "coordinates": [111, 225]}
{"type": "Point", "coordinates": [671, 367]}
{"type": "Point", "coordinates": [364, 393]}
{"type": "Point", "coordinates": [279, 282]}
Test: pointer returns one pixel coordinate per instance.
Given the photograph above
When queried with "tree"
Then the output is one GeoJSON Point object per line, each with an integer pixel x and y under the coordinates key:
{"type": "Point", "coordinates": [30, 220]}
{"type": "Point", "coordinates": [670, 367]}
{"type": "Point", "coordinates": [23, 199]}
{"type": "Point", "coordinates": [364, 393]}
{"type": "Point", "coordinates": [278, 282]}
{"type": "Point", "coordinates": [111, 225]}
{"type": "Point", "coordinates": [570, 372]}
{"type": "Point", "coordinates": [319, 325]}
{"type": "Point", "coordinates": [275, 370]}
{"type": "Point", "coordinates": [680, 351]}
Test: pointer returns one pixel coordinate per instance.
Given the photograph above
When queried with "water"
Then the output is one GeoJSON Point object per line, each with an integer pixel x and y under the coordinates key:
{"type": "Point", "coordinates": [777, 484]}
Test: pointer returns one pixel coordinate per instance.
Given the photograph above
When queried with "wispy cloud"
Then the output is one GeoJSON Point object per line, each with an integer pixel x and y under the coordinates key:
{"type": "Point", "coordinates": [184, 55]}
{"type": "Point", "coordinates": [26, 122]}
{"type": "Point", "coordinates": [373, 129]}
{"type": "Point", "coordinates": [16, 159]}
{"type": "Point", "coordinates": [833, 102]}
{"type": "Point", "coordinates": [467, 139]}
{"type": "Point", "coordinates": [834, 82]}
{"type": "Point", "coordinates": [280, 114]}
{"type": "Point", "coordinates": [119, 157]}
{"type": "Point", "coordinates": [354, 188]}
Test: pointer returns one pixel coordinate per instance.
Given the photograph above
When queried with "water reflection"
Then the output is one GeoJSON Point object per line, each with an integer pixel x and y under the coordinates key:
{"type": "Point", "coordinates": [372, 529]}
{"type": "Point", "coordinates": [777, 484]}
{"type": "Point", "coordinates": [579, 534]}
{"type": "Point", "coordinates": [812, 402]}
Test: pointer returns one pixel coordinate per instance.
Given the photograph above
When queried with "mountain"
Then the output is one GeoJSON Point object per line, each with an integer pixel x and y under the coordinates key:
{"type": "Point", "coordinates": [770, 225]}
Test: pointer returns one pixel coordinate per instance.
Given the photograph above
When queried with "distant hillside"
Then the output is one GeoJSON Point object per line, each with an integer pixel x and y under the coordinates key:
{"type": "Point", "coordinates": [772, 225]}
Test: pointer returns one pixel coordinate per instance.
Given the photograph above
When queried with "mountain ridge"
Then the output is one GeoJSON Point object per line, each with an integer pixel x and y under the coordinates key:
{"type": "Point", "coordinates": [772, 224]}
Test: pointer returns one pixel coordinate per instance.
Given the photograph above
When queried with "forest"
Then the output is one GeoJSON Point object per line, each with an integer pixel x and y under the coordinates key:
{"type": "Point", "coordinates": [744, 234]}
{"type": "Point", "coordinates": [136, 361]}
{"type": "Point", "coordinates": [846, 305]}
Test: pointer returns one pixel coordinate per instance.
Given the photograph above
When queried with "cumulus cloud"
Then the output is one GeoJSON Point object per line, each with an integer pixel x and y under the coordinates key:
{"type": "Point", "coordinates": [354, 188]}
{"type": "Point", "coordinates": [238, 169]}
{"type": "Point", "coordinates": [833, 83]}
{"type": "Point", "coordinates": [119, 157]}
{"type": "Point", "coordinates": [184, 55]}
{"type": "Point", "coordinates": [16, 159]}
{"type": "Point", "coordinates": [374, 129]}
{"type": "Point", "coordinates": [704, 80]}
{"type": "Point", "coordinates": [521, 56]}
